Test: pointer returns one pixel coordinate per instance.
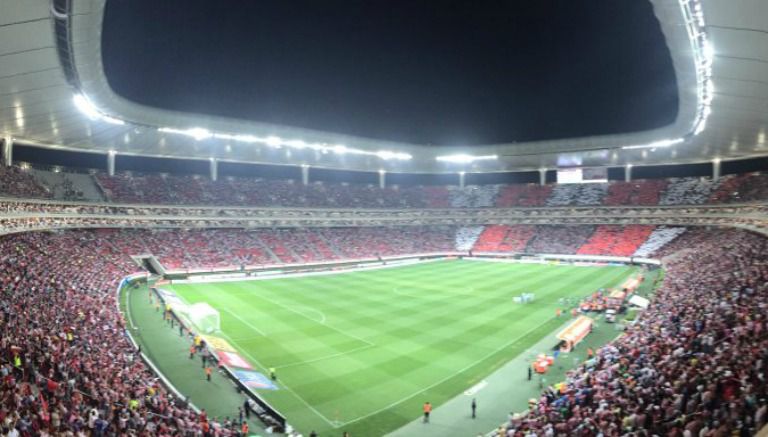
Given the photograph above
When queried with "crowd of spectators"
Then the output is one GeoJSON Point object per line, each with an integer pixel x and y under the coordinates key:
{"type": "Point", "coordinates": [523, 195]}
{"type": "Point", "coordinates": [167, 189]}
{"type": "Point", "coordinates": [577, 194]}
{"type": "Point", "coordinates": [638, 193]}
{"type": "Point", "coordinates": [616, 240]}
{"type": "Point", "coordinates": [67, 366]}
{"type": "Point", "coordinates": [695, 360]}
{"type": "Point", "coordinates": [16, 182]}
{"type": "Point", "coordinates": [466, 237]}
{"type": "Point", "coordinates": [747, 187]}
{"type": "Point", "coordinates": [504, 238]}
{"type": "Point", "coordinates": [659, 238]}
{"type": "Point", "coordinates": [688, 191]}
{"type": "Point", "coordinates": [559, 239]}
{"type": "Point", "coordinates": [693, 364]}
{"type": "Point", "coordinates": [473, 196]}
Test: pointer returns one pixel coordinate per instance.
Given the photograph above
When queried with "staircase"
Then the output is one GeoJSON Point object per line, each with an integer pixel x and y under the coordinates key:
{"type": "Point", "coordinates": [69, 186]}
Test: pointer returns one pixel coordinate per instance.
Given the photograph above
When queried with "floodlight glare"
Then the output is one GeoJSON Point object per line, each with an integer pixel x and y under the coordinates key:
{"type": "Point", "coordinates": [655, 144]}
{"type": "Point", "coordinates": [86, 107]}
{"type": "Point", "coordinates": [198, 133]}
{"type": "Point", "coordinates": [273, 141]}
{"type": "Point", "coordinates": [464, 159]}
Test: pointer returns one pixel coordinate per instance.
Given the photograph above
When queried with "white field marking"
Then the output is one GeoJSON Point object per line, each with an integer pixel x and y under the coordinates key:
{"type": "Point", "coordinates": [264, 369]}
{"type": "Point", "coordinates": [310, 318]}
{"type": "Point", "coordinates": [322, 315]}
{"type": "Point", "coordinates": [354, 269]}
{"type": "Point", "coordinates": [248, 338]}
{"type": "Point", "coordinates": [266, 372]}
{"type": "Point", "coordinates": [476, 388]}
{"type": "Point", "coordinates": [515, 340]}
{"type": "Point", "coordinates": [245, 322]}
{"type": "Point", "coordinates": [326, 357]}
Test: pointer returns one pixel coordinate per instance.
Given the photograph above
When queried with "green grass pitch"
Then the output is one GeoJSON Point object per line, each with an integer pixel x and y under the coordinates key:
{"type": "Point", "coordinates": [362, 351]}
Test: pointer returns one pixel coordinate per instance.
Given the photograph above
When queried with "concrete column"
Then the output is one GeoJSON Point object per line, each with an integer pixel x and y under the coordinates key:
{"type": "Point", "coordinates": [462, 175]}
{"type": "Point", "coordinates": [213, 169]}
{"type": "Point", "coordinates": [111, 162]}
{"type": "Point", "coordinates": [7, 151]}
{"type": "Point", "coordinates": [716, 169]}
{"type": "Point", "coordinates": [628, 173]}
{"type": "Point", "coordinates": [305, 174]}
{"type": "Point", "coordinates": [542, 176]}
{"type": "Point", "coordinates": [382, 179]}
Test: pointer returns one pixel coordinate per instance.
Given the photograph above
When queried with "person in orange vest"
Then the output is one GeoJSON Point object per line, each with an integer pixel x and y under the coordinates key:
{"type": "Point", "coordinates": [208, 371]}
{"type": "Point", "coordinates": [244, 429]}
{"type": "Point", "coordinates": [192, 352]}
{"type": "Point", "coordinates": [427, 409]}
{"type": "Point", "coordinates": [558, 312]}
{"type": "Point", "coordinates": [590, 353]}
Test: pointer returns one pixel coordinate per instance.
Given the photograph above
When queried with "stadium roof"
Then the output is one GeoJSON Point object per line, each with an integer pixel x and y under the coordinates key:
{"type": "Point", "coordinates": [55, 94]}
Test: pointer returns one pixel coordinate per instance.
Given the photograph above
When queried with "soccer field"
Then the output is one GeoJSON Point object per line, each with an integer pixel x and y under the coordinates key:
{"type": "Point", "coordinates": [362, 351]}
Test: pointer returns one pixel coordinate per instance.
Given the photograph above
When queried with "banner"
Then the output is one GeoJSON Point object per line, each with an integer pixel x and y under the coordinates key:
{"type": "Point", "coordinates": [218, 343]}
{"type": "Point", "coordinates": [254, 379]}
{"type": "Point", "coordinates": [232, 359]}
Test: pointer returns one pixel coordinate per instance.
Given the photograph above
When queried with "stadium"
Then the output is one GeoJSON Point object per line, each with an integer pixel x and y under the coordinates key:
{"type": "Point", "coordinates": [383, 218]}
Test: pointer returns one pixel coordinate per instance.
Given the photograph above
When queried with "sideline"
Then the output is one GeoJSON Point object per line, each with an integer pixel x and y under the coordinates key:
{"type": "Point", "coordinates": [124, 282]}
{"type": "Point", "coordinates": [277, 274]}
{"type": "Point", "coordinates": [266, 370]}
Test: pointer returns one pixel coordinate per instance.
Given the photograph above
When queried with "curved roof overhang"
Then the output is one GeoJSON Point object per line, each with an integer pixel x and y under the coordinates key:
{"type": "Point", "coordinates": [50, 52]}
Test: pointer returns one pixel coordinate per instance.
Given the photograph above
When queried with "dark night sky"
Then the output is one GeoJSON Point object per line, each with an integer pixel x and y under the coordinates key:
{"type": "Point", "coordinates": [447, 72]}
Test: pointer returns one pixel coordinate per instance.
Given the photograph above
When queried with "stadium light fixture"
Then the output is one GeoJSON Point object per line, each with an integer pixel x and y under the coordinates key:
{"type": "Point", "coordinates": [703, 56]}
{"type": "Point", "coordinates": [198, 133]}
{"type": "Point", "coordinates": [296, 144]}
{"type": "Point", "coordinates": [655, 144]}
{"type": "Point", "coordinates": [273, 141]}
{"type": "Point", "coordinates": [465, 159]}
{"type": "Point", "coordinates": [277, 142]}
{"type": "Point", "coordinates": [89, 109]}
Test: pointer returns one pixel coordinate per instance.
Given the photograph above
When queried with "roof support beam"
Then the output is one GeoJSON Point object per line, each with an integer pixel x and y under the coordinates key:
{"type": "Point", "coordinates": [111, 162]}
{"type": "Point", "coordinates": [382, 179]}
{"type": "Point", "coordinates": [8, 151]}
{"type": "Point", "coordinates": [214, 169]}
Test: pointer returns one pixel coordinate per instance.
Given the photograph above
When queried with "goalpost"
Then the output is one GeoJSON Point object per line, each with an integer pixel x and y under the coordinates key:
{"type": "Point", "coordinates": [203, 316]}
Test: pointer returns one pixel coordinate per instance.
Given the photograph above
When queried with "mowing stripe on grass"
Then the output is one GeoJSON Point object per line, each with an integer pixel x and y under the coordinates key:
{"type": "Point", "coordinates": [449, 376]}
{"type": "Point", "coordinates": [390, 336]}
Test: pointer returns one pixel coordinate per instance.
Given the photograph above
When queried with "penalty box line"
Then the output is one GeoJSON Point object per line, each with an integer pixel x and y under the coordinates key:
{"type": "Point", "coordinates": [332, 423]}
{"type": "Point", "coordinates": [315, 321]}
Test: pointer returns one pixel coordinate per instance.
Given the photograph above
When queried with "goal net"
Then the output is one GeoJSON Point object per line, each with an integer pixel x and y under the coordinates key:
{"type": "Point", "coordinates": [204, 317]}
